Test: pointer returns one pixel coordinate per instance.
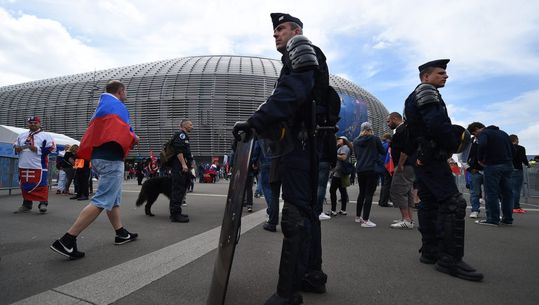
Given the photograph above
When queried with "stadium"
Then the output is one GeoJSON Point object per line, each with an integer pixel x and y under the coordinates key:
{"type": "Point", "coordinates": [213, 91]}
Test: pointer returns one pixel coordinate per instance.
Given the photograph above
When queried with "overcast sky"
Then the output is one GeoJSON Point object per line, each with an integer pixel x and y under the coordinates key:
{"type": "Point", "coordinates": [493, 45]}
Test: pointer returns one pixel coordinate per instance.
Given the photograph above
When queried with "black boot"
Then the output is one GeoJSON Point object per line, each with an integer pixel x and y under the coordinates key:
{"type": "Point", "coordinates": [292, 267]}
{"type": "Point", "coordinates": [277, 300]}
{"type": "Point", "coordinates": [314, 281]}
{"type": "Point", "coordinates": [460, 269]}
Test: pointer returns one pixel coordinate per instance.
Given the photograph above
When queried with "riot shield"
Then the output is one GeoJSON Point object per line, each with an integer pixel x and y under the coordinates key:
{"type": "Point", "coordinates": [230, 229]}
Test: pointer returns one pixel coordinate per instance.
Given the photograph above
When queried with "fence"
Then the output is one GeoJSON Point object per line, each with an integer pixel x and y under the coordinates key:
{"type": "Point", "coordinates": [9, 173]}
{"type": "Point", "coordinates": [530, 187]}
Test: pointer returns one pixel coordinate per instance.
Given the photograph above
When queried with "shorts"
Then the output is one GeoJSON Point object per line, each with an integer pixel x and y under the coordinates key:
{"type": "Point", "coordinates": [109, 185]}
{"type": "Point", "coordinates": [401, 187]}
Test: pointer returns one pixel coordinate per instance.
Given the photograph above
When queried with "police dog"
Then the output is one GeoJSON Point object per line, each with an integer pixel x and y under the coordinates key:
{"type": "Point", "coordinates": [151, 189]}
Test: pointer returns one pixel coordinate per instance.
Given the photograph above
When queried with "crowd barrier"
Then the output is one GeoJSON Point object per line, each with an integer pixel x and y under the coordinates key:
{"type": "Point", "coordinates": [9, 173]}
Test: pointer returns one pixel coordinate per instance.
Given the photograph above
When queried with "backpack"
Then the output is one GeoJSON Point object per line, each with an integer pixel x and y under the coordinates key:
{"type": "Point", "coordinates": [167, 153]}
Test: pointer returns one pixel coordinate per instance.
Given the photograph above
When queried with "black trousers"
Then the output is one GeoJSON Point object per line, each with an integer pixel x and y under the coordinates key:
{"type": "Point", "coordinates": [81, 177]}
{"type": "Point", "coordinates": [180, 180]}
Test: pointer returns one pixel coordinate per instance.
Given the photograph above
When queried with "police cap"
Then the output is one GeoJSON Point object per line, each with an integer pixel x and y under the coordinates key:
{"type": "Point", "coordinates": [439, 63]}
{"type": "Point", "coordinates": [278, 18]}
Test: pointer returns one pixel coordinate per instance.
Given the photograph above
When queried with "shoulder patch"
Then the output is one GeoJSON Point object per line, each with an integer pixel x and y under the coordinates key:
{"type": "Point", "coordinates": [426, 94]}
{"type": "Point", "coordinates": [182, 136]}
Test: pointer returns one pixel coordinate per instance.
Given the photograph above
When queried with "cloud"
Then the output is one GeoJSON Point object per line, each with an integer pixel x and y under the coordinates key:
{"type": "Point", "coordinates": [34, 48]}
{"type": "Point", "coordinates": [514, 116]}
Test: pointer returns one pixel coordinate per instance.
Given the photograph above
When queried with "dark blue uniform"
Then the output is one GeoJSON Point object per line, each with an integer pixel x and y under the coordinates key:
{"type": "Point", "coordinates": [291, 105]}
{"type": "Point", "coordinates": [442, 209]}
{"type": "Point", "coordinates": [180, 179]}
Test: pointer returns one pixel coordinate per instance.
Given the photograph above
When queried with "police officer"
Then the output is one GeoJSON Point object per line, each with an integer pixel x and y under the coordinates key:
{"type": "Point", "coordinates": [285, 119]}
{"type": "Point", "coordinates": [180, 171]}
{"type": "Point", "coordinates": [443, 208]}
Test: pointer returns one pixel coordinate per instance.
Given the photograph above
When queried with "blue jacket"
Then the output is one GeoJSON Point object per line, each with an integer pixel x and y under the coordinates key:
{"type": "Point", "coordinates": [494, 146]}
{"type": "Point", "coordinates": [368, 150]}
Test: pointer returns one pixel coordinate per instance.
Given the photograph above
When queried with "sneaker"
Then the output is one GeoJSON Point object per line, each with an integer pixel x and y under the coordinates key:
{"type": "Point", "coordinates": [486, 223]}
{"type": "Point", "coordinates": [519, 211]}
{"type": "Point", "coordinates": [82, 198]}
{"type": "Point", "coordinates": [323, 216]}
{"type": "Point", "coordinates": [402, 225]}
{"type": "Point", "coordinates": [42, 208]}
{"type": "Point", "coordinates": [58, 192]}
{"type": "Point", "coordinates": [23, 209]}
{"type": "Point", "coordinates": [359, 220]}
{"type": "Point", "coordinates": [270, 227]}
{"type": "Point", "coordinates": [368, 224]}
{"type": "Point", "coordinates": [343, 212]}
{"type": "Point", "coordinates": [481, 201]}
{"type": "Point", "coordinates": [71, 253]}
{"type": "Point", "coordinates": [120, 240]}
{"type": "Point", "coordinates": [250, 209]}
{"type": "Point", "coordinates": [183, 218]}
{"type": "Point", "coordinates": [331, 213]}
{"type": "Point", "coordinates": [474, 214]}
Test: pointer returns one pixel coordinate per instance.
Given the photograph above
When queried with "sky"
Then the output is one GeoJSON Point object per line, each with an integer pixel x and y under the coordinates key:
{"type": "Point", "coordinates": [493, 45]}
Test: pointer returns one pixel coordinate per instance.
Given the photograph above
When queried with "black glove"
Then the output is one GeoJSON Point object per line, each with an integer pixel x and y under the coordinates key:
{"type": "Point", "coordinates": [242, 126]}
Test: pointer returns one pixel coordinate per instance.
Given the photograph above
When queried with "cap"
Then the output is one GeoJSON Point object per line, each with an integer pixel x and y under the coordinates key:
{"type": "Point", "coordinates": [344, 138]}
{"type": "Point", "coordinates": [278, 18]}
{"type": "Point", "coordinates": [439, 63]}
{"type": "Point", "coordinates": [366, 126]}
{"type": "Point", "coordinates": [33, 119]}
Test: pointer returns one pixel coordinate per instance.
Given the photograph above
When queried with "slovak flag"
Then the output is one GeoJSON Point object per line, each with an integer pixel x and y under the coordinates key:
{"type": "Point", "coordinates": [110, 123]}
{"type": "Point", "coordinates": [33, 183]}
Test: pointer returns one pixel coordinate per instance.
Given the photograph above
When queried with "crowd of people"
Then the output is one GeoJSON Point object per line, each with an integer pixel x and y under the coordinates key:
{"type": "Point", "coordinates": [411, 165]}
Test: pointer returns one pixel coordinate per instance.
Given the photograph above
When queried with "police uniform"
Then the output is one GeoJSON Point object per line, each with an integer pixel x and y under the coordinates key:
{"type": "Point", "coordinates": [287, 113]}
{"type": "Point", "coordinates": [443, 208]}
{"type": "Point", "coordinates": [180, 179]}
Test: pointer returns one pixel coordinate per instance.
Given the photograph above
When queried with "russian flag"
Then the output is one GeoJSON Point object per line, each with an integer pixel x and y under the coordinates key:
{"type": "Point", "coordinates": [110, 123]}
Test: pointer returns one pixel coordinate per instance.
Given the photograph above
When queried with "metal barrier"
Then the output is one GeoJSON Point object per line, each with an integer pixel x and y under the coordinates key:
{"type": "Point", "coordinates": [530, 186]}
{"type": "Point", "coordinates": [9, 173]}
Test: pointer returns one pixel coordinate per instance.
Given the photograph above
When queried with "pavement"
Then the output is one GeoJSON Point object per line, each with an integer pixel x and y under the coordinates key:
{"type": "Point", "coordinates": [172, 263]}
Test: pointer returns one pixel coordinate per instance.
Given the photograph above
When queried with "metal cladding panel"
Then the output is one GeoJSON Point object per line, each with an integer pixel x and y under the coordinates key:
{"type": "Point", "coordinates": [213, 91]}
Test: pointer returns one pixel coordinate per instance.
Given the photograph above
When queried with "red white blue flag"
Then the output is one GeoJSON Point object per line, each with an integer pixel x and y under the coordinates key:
{"type": "Point", "coordinates": [33, 183]}
{"type": "Point", "coordinates": [110, 123]}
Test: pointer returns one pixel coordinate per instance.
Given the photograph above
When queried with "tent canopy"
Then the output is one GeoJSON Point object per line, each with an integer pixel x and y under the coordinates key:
{"type": "Point", "coordinates": [9, 134]}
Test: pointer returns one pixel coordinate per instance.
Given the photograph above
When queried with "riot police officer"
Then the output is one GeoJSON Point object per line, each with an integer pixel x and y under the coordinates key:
{"type": "Point", "coordinates": [286, 120]}
{"type": "Point", "coordinates": [180, 171]}
{"type": "Point", "coordinates": [443, 208]}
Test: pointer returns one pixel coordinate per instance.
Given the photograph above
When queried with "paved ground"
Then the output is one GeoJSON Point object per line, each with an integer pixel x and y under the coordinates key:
{"type": "Point", "coordinates": [173, 263]}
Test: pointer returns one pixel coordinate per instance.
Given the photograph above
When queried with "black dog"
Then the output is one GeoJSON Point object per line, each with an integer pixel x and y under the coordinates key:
{"type": "Point", "coordinates": [151, 189]}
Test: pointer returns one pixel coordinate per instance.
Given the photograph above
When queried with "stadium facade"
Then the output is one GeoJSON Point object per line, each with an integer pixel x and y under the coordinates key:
{"type": "Point", "coordinates": [213, 91]}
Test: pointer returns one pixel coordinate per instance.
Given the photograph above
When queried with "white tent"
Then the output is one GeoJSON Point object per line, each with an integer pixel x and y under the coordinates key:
{"type": "Point", "coordinates": [9, 134]}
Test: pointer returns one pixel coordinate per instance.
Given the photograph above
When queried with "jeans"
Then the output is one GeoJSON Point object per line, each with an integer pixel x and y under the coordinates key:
{"type": "Point", "coordinates": [475, 190]}
{"type": "Point", "coordinates": [517, 178]}
{"type": "Point", "coordinates": [498, 182]}
{"type": "Point", "coordinates": [263, 182]}
{"type": "Point", "coordinates": [258, 184]}
{"type": "Point", "coordinates": [61, 180]}
{"type": "Point", "coordinates": [323, 177]}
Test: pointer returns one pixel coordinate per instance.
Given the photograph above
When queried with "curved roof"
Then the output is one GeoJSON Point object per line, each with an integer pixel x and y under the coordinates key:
{"type": "Point", "coordinates": [214, 91]}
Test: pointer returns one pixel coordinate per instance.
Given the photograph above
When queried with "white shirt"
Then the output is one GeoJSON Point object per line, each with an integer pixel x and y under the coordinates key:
{"type": "Point", "coordinates": [30, 159]}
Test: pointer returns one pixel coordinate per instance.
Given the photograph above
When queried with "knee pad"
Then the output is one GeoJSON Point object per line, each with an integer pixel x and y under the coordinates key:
{"type": "Point", "coordinates": [455, 205]}
{"type": "Point", "coordinates": [292, 222]}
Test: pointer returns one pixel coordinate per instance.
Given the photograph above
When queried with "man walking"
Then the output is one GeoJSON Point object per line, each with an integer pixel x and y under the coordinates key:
{"type": "Point", "coordinates": [107, 151]}
{"type": "Point", "coordinates": [33, 148]}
